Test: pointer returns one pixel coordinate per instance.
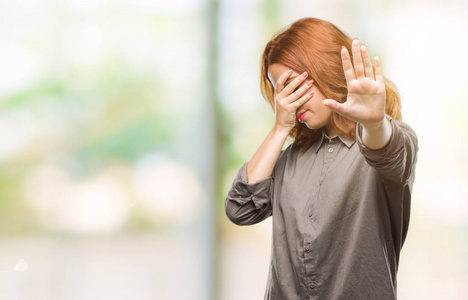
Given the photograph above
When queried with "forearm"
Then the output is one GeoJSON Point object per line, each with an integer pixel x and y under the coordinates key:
{"type": "Point", "coordinates": [263, 161]}
{"type": "Point", "coordinates": [376, 137]}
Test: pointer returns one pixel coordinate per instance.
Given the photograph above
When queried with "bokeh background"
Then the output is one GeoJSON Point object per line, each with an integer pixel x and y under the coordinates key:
{"type": "Point", "coordinates": [123, 124]}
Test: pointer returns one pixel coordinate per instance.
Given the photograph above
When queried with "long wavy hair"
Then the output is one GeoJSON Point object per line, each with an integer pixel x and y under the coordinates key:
{"type": "Point", "coordinates": [314, 45]}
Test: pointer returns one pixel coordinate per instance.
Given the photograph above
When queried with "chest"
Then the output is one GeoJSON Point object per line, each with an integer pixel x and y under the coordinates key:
{"type": "Point", "coordinates": [320, 181]}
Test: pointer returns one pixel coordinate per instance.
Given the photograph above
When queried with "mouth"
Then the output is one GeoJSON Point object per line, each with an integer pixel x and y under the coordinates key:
{"type": "Point", "coordinates": [301, 115]}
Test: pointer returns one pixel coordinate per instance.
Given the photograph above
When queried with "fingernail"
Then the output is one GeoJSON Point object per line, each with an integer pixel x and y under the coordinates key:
{"type": "Point", "coordinates": [290, 71]}
{"type": "Point", "coordinates": [310, 82]}
{"type": "Point", "coordinates": [304, 74]}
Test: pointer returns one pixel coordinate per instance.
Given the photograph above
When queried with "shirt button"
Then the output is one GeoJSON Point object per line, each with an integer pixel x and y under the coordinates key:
{"type": "Point", "coordinates": [330, 149]}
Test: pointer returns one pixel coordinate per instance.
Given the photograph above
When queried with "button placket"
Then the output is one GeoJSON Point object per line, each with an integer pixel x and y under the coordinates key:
{"type": "Point", "coordinates": [328, 160]}
{"type": "Point", "coordinates": [309, 264]}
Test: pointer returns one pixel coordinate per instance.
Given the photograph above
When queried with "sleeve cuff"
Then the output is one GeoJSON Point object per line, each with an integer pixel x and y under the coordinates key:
{"type": "Point", "coordinates": [258, 192]}
{"type": "Point", "coordinates": [395, 143]}
{"type": "Point", "coordinates": [395, 161]}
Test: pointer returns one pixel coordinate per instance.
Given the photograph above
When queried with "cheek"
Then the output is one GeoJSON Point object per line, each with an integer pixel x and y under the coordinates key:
{"type": "Point", "coordinates": [323, 111]}
{"type": "Point", "coordinates": [317, 97]}
{"type": "Point", "coordinates": [317, 102]}
{"type": "Point", "coordinates": [314, 89]}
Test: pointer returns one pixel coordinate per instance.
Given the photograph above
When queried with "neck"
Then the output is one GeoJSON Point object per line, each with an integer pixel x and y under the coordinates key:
{"type": "Point", "coordinates": [331, 130]}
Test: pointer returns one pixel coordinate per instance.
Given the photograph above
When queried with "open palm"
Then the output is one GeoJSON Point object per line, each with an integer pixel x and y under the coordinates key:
{"type": "Point", "coordinates": [365, 103]}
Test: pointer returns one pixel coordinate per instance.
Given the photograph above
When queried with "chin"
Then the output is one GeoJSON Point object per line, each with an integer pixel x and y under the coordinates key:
{"type": "Point", "coordinates": [314, 125]}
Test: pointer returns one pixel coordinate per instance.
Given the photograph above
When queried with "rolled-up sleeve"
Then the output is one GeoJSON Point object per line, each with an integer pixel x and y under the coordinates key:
{"type": "Point", "coordinates": [249, 203]}
{"type": "Point", "coordinates": [397, 159]}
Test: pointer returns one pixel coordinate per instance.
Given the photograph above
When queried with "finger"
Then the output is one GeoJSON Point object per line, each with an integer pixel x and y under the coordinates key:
{"type": "Point", "coordinates": [347, 65]}
{"type": "Point", "coordinates": [281, 80]}
{"type": "Point", "coordinates": [300, 91]}
{"type": "Point", "coordinates": [367, 62]}
{"type": "Point", "coordinates": [302, 100]}
{"type": "Point", "coordinates": [336, 106]}
{"type": "Point", "coordinates": [293, 84]}
{"type": "Point", "coordinates": [357, 59]}
{"type": "Point", "coordinates": [378, 70]}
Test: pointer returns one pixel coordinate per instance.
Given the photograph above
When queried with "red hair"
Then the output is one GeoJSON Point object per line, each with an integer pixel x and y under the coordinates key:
{"type": "Point", "coordinates": [314, 45]}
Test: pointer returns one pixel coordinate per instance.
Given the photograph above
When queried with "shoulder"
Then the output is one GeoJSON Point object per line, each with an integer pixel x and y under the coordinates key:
{"type": "Point", "coordinates": [285, 155]}
{"type": "Point", "coordinates": [288, 151]}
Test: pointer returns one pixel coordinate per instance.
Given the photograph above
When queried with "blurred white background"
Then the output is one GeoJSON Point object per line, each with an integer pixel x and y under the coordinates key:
{"type": "Point", "coordinates": [123, 124]}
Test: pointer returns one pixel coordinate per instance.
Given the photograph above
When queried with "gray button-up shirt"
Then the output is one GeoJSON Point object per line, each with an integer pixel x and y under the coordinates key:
{"type": "Point", "coordinates": [340, 215]}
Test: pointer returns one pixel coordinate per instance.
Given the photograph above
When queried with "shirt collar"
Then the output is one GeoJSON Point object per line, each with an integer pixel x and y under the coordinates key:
{"type": "Point", "coordinates": [344, 139]}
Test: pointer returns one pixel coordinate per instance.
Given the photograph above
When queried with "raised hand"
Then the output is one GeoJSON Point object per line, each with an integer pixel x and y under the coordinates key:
{"type": "Point", "coordinates": [365, 103]}
{"type": "Point", "coordinates": [289, 98]}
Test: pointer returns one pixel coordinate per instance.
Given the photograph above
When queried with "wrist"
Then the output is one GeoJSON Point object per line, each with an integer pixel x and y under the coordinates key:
{"type": "Point", "coordinates": [377, 137]}
{"type": "Point", "coordinates": [281, 129]}
{"type": "Point", "coordinates": [375, 125]}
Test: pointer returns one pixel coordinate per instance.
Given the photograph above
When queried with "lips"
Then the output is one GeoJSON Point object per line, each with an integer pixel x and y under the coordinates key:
{"type": "Point", "coordinates": [301, 115]}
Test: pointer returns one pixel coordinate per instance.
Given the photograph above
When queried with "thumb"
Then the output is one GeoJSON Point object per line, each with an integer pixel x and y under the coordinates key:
{"type": "Point", "coordinates": [334, 105]}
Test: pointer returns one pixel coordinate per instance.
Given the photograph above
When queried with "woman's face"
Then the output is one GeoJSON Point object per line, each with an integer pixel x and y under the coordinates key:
{"type": "Point", "coordinates": [317, 115]}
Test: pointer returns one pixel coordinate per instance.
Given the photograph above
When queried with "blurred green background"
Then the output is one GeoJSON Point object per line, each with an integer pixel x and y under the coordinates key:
{"type": "Point", "coordinates": [123, 124]}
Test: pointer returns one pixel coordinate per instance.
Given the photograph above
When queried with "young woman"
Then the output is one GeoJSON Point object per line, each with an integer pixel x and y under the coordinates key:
{"type": "Point", "coordinates": [340, 194]}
